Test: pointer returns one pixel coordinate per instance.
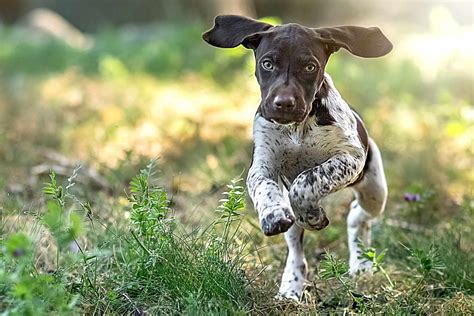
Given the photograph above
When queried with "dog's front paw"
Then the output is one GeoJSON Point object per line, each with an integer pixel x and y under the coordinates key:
{"type": "Point", "coordinates": [313, 219]}
{"type": "Point", "coordinates": [309, 215]}
{"type": "Point", "coordinates": [276, 219]}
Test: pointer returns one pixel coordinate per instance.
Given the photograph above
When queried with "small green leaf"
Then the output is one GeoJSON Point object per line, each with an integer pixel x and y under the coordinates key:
{"type": "Point", "coordinates": [75, 225]}
{"type": "Point", "coordinates": [380, 257]}
{"type": "Point", "coordinates": [52, 218]}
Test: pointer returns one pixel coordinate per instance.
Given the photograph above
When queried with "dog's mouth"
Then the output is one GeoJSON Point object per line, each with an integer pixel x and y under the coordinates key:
{"type": "Point", "coordinates": [283, 121]}
{"type": "Point", "coordinates": [285, 117]}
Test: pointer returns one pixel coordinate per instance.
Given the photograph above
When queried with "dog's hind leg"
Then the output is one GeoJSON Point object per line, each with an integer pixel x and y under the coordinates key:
{"type": "Point", "coordinates": [294, 275]}
{"type": "Point", "coordinates": [371, 196]}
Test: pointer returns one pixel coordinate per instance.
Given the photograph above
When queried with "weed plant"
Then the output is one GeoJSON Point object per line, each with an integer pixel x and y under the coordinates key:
{"type": "Point", "coordinates": [155, 266]}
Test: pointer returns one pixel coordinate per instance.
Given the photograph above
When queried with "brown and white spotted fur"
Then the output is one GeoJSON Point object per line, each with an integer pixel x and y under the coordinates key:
{"type": "Point", "coordinates": [308, 143]}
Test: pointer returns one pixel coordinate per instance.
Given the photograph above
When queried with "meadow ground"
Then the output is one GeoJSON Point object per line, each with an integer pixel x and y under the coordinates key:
{"type": "Point", "coordinates": [109, 238]}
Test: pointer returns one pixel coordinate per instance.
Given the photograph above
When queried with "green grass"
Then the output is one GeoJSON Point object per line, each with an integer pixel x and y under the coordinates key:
{"type": "Point", "coordinates": [153, 264]}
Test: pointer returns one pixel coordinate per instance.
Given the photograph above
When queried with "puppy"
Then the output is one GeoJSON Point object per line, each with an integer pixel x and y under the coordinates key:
{"type": "Point", "coordinates": [308, 143]}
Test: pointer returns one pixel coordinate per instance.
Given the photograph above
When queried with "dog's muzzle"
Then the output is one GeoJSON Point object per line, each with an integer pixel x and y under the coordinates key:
{"type": "Point", "coordinates": [284, 109]}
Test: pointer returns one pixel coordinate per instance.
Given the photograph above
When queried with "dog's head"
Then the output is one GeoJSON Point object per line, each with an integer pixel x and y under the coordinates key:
{"type": "Point", "coordinates": [290, 58]}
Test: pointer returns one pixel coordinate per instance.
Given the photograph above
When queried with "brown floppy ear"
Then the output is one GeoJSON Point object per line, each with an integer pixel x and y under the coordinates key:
{"type": "Point", "coordinates": [231, 31]}
{"type": "Point", "coordinates": [360, 41]}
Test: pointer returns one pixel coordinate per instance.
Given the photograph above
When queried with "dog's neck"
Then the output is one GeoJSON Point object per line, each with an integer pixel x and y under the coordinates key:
{"type": "Point", "coordinates": [319, 106]}
{"type": "Point", "coordinates": [331, 107]}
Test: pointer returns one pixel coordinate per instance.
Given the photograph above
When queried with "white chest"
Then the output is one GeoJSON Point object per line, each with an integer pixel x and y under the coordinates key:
{"type": "Point", "coordinates": [301, 150]}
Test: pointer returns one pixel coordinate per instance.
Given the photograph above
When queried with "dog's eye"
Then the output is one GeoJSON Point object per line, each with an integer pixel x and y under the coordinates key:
{"type": "Point", "coordinates": [310, 68]}
{"type": "Point", "coordinates": [267, 65]}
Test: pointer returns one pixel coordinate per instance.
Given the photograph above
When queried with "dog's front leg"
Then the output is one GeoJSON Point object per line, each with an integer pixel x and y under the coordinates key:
{"type": "Point", "coordinates": [274, 212]}
{"type": "Point", "coordinates": [313, 184]}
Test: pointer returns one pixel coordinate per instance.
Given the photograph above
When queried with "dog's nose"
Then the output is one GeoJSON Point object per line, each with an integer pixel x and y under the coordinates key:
{"type": "Point", "coordinates": [284, 101]}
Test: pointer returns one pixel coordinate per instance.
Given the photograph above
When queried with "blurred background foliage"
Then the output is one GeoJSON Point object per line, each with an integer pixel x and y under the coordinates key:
{"type": "Point", "coordinates": [142, 83]}
{"type": "Point", "coordinates": [110, 84]}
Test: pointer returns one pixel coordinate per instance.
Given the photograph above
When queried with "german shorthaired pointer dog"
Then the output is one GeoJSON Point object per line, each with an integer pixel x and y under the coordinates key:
{"type": "Point", "coordinates": [308, 143]}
